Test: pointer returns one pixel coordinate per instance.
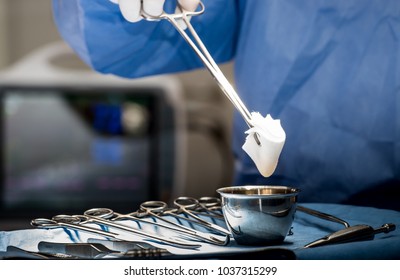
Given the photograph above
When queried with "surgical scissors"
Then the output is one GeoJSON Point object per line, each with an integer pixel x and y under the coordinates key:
{"type": "Point", "coordinates": [200, 49]}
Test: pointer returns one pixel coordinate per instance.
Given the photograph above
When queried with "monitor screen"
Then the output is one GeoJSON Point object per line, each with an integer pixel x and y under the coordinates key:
{"type": "Point", "coordinates": [66, 150]}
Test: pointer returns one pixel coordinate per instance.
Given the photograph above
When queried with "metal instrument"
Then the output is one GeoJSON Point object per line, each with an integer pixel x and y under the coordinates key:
{"type": "Point", "coordinates": [122, 246]}
{"type": "Point", "coordinates": [322, 215]}
{"type": "Point", "coordinates": [70, 222]}
{"type": "Point", "coordinates": [99, 251]}
{"type": "Point", "coordinates": [97, 216]}
{"type": "Point", "coordinates": [100, 216]}
{"type": "Point", "coordinates": [250, 254]}
{"type": "Point", "coordinates": [159, 209]}
{"type": "Point", "coordinates": [14, 252]}
{"type": "Point", "coordinates": [153, 208]}
{"type": "Point", "coordinates": [181, 218]}
{"type": "Point", "coordinates": [210, 206]}
{"type": "Point", "coordinates": [350, 234]}
{"type": "Point", "coordinates": [187, 205]}
{"type": "Point", "coordinates": [158, 212]}
{"type": "Point", "coordinates": [199, 48]}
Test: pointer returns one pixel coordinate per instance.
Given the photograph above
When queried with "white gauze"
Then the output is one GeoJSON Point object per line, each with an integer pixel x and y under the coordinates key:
{"type": "Point", "coordinates": [272, 138]}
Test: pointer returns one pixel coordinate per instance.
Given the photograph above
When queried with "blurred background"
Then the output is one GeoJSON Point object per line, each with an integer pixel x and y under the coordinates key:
{"type": "Point", "coordinates": [46, 90]}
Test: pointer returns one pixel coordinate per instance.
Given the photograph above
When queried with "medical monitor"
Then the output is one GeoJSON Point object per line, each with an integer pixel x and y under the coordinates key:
{"type": "Point", "coordinates": [77, 142]}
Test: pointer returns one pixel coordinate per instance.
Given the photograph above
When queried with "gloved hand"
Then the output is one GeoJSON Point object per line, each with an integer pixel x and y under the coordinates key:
{"type": "Point", "coordinates": [130, 9]}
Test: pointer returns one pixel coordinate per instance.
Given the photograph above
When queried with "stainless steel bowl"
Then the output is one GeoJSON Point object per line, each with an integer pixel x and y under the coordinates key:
{"type": "Point", "coordinates": [259, 215]}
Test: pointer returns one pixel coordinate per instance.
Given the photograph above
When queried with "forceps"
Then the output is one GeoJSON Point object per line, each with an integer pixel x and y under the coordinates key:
{"type": "Point", "coordinates": [158, 206]}
{"type": "Point", "coordinates": [100, 216]}
{"type": "Point", "coordinates": [70, 222]}
{"type": "Point", "coordinates": [157, 209]}
{"type": "Point", "coordinates": [348, 234]}
{"type": "Point", "coordinates": [95, 216]}
{"type": "Point", "coordinates": [199, 48]}
{"type": "Point", "coordinates": [323, 216]}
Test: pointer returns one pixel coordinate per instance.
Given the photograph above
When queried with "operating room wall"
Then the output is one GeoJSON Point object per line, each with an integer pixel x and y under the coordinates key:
{"type": "Point", "coordinates": [3, 30]}
{"type": "Point", "coordinates": [26, 25]}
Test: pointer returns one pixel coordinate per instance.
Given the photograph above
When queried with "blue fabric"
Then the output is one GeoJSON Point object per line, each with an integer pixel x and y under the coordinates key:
{"type": "Point", "coordinates": [330, 72]}
{"type": "Point", "coordinates": [328, 69]}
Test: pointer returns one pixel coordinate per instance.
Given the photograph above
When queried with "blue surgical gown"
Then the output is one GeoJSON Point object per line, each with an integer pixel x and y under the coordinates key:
{"type": "Point", "coordinates": [330, 70]}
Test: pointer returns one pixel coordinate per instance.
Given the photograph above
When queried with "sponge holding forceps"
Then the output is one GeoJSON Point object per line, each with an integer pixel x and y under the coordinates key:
{"type": "Point", "coordinates": [266, 136]}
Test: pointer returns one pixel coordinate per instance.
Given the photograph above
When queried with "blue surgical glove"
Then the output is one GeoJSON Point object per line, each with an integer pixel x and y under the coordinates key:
{"type": "Point", "coordinates": [131, 9]}
{"type": "Point", "coordinates": [109, 43]}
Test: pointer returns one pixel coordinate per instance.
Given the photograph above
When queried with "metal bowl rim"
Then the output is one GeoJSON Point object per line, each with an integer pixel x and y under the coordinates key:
{"type": "Point", "coordinates": [291, 192]}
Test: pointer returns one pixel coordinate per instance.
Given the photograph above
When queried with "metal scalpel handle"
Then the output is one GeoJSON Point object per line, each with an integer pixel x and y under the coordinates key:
{"type": "Point", "coordinates": [99, 251]}
{"type": "Point", "coordinates": [353, 233]}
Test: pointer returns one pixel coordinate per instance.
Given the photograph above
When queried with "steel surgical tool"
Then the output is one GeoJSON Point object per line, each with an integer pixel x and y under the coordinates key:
{"type": "Point", "coordinates": [185, 205]}
{"type": "Point", "coordinates": [98, 216]}
{"type": "Point", "coordinates": [210, 206]}
{"type": "Point", "coordinates": [157, 206]}
{"type": "Point", "coordinates": [157, 209]}
{"type": "Point", "coordinates": [322, 215]}
{"type": "Point", "coordinates": [19, 253]}
{"type": "Point", "coordinates": [200, 49]}
{"type": "Point", "coordinates": [353, 233]}
{"type": "Point", "coordinates": [99, 251]}
{"type": "Point", "coordinates": [76, 222]}
{"type": "Point", "coordinates": [101, 216]}
{"type": "Point", "coordinates": [348, 234]}
{"type": "Point", "coordinates": [71, 222]}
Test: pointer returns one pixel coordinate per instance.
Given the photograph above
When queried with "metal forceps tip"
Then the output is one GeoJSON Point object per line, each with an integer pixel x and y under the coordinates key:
{"type": "Point", "coordinates": [199, 48]}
